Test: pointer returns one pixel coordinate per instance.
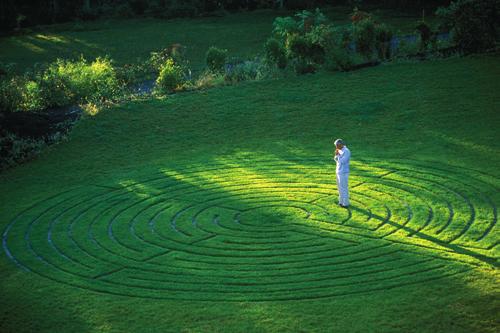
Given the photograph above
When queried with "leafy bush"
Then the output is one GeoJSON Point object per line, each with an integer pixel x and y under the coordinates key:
{"type": "Point", "coordinates": [216, 59]}
{"type": "Point", "coordinates": [32, 98]}
{"type": "Point", "coordinates": [170, 78]}
{"type": "Point", "coordinates": [65, 82]}
{"type": "Point", "coordinates": [209, 79]}
{"type": "Point", "coordinates": [303, 66]}
{"type": "Point", "coordinates": [62, 83]}
{"type": "Point", "coordinates": [7, 69]}
{"type": "Point", "coordinates": [133, 73]}
{"type": "Point", "coordinates": [174, 51]}
{"type": "Point", "coordinates": [407, 49]}
{"type": "Point", "coordinates": [383, 37]}
{"type": "Point", "coordinates": [425, 33]}
{"type": "Point", "coordinates": [365, 37]}
{"type": "Point", "coordinates": [20, 93]}
{"type": "Point", "coordinates": [248, 70]}
{"type": "Point", "coordinates": [474, 24]}
{"type": "Point", "coordinates": [338, 55]}
{"type": "Point", "coordinates": [11, 93]}
{"type": "Point", "coordinates": [275, 53]}
{"type": "Point", "coordinates": [359, 15]}
{"type": "Point", "coordinates": [14, 149]}
{"type": "Point", "coordinates": [283, 26]}
{"type": "Point", "coordinates": [308, 20]}
{"type": "Point", "coordinates": [297, 46]}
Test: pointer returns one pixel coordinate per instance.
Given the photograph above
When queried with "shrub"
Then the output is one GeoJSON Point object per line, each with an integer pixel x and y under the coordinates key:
{"type": "Point", "coordinates": [209, 79]}
{"type": "Point", "coordinates": [406, 48]}
{"type": "Point", "coordinates": [32, 97]}
{"type": "Point", "coordinates": [425, 33]}
{"type": "Point", "coordinates": [174, 51]}
{"type": "Point", "coordinates": [14, 149]}
{"type": "Point", "coordinates": [364, 37]}
{"type": "Point", "coordinates": [170, 78]}
{"type": "Point", "coordinates": [359, 15]}
{"type": "Point", "coordinates": [247, 70]}
{"type": "Point", "coordinates": [7, 69]}
{"type": "Point", "coordinates": [303, 66]}
{"type": "Point", "coordinates": [474, 24]}
{"type": "Point", "coordinates": [283, 26]}
{"type": "Point", "coordinates": [65, 82]}
{"type": "Point", "coordinates": [383, 37]}
{"type": "Point", "coordinates": [216, 59]}
{"type": "Point", "coordinates": [307, 19]}
{"type": "Point", "coordinates": [338, 55]}
{"type": "Point", "coordinates": [275, 53]}
{"type": "Point", "coordinates": [297, 46]}
{"type": "Point", "coordinates": [133, 73]}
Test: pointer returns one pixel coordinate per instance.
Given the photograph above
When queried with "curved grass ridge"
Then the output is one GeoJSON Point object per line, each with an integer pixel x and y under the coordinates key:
{"type": "Point", "coordinates": [268, 231]}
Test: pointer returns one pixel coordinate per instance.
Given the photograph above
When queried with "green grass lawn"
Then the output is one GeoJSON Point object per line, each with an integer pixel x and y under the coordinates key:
{"type": "Point", "coordinates": [243, 34]}
{"type": "Point", "coordinates": [216, 210]}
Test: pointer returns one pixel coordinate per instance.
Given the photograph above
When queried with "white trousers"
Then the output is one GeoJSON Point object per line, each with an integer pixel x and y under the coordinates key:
{"type": "Point", "coordinates": [342, 185]}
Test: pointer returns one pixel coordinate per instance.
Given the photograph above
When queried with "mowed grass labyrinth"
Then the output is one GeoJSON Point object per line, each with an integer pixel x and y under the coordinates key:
{"type": "Point", "coordinates": [271, 232]}
{"type": "Point", "coordinates": [217, 210]}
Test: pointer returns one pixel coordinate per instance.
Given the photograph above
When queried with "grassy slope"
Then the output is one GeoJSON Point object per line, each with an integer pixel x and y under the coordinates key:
{"type": "Point", "coordinates": [243, 34]}
{"type": "Point", "coordinates": [444, 111]}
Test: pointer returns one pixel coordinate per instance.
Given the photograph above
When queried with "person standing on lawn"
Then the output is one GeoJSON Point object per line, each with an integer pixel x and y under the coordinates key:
{"type": "Point", "coordinates": [342, 158]}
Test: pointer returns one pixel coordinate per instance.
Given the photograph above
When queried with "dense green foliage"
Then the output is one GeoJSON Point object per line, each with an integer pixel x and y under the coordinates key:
{"type": "Point", "coordinates": [275, 52]}
{"type": "Point", "coordinates": [475, 24]}
{"type": "Point", "coordinates": [62, 83]}
{"type": "Point", "coordinates": [216, 59]}
{"type": "Point", "coordinates": [170, 77]}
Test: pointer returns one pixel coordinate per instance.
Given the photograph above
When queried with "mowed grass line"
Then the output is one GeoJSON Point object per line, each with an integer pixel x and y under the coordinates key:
{"type": "Point", "coordinates": [413, 118]}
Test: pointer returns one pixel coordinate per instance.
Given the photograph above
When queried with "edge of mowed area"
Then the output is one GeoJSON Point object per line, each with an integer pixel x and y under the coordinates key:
{"type": "Point", "coordinates": [438, 112]}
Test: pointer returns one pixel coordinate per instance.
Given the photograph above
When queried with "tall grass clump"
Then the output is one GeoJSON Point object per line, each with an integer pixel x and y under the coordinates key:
{"type": "Point", "coordinates": [170, 78]}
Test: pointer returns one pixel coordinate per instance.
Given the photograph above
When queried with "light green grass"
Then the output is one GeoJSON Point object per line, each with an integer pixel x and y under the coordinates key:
{"type": "Point", "coordinates": [264, 149]}
{"type": "Point", "coordinates": [243, 34]}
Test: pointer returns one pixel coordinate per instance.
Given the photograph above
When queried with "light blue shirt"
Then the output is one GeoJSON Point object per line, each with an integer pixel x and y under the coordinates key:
{"type": "Point", "coordinates": [342, 160]}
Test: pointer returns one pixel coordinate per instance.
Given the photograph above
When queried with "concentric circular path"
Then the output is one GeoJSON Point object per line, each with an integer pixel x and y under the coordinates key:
{"type": "Point", "coordinates": [262, 230]}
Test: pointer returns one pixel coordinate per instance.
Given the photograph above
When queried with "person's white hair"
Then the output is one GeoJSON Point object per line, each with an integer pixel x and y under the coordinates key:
{"type": "Point", "coordinates": [339, 141]}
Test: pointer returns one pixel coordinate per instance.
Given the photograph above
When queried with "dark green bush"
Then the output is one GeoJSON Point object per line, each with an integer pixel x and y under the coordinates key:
{"type": "Point", "coordinates": [338, 55]}
{"type": "Point", "coordinates": [474, 24]}
{"type": "Point", "coordinates": [383, 37]}
{"type": "Point", "coordinates": [174, 51]}
{"type": "Point", "coordinates": [129, 74]}
{"type": "Point", "coordinates": [283, 26]}
{"type": "Point", "coordinates": [303, 66]}
{"type": "Point", "coordinates": [171, 77]}
{"type": "Point", "coordinates": [364, 37]}
{"type": "Point", "coordinates": [425, 33]}
{"type": "Point", "coordinates": [65, 82]}
{"type": "Point", "coordinates": [247, 70]}
{"type": "Point", "coordinates": [62, 83]}
{"type": "Point", "coordinates": [11, 93]}
{"type": "Point", "coordinates": [14, 149]}
{"type": "Point", "coordinates": [298, 46]}
{"type": "Point", "coordinates": [216, 59]}
{"type": "Point", "coordinates": [275, 53]}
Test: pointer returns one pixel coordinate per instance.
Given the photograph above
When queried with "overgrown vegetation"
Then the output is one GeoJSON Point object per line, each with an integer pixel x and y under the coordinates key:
{"type": "Point", "coordinates": [59, 84]}
{"type": "Point", "coordinates": [474, 24]}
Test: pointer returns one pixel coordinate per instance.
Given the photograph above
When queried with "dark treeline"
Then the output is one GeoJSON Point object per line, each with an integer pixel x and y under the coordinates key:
{"type": "Point", "coordinates": [16, 14]}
